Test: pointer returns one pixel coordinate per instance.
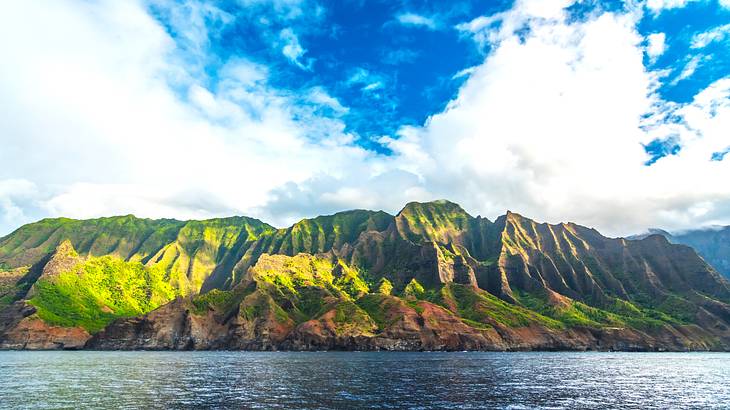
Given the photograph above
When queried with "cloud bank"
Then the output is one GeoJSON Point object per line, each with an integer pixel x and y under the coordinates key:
{"type": "Point", "coordinates": [108, 113]}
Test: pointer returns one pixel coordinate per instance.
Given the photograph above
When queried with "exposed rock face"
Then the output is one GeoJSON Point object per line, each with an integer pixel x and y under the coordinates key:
{"type": "Point", "coordinates": [455, 282]}
{"type": "Point", "coordinates": [21, 329]}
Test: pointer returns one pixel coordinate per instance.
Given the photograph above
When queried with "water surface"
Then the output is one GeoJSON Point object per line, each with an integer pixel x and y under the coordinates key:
{"type": "Point", "coordinates": [363, 380]}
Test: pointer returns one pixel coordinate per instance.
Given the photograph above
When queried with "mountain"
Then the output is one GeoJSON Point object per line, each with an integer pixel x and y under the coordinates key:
{"type": "Point", "coordinates": [713, 244]}
{"type": "Point", "coordinates": [431, 277]}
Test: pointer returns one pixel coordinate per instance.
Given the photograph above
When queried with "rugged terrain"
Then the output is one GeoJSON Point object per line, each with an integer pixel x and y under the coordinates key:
{"type": "Point", "coordinates": [713, 244]}
{"type": "Point", "coordinates": [431, 277]}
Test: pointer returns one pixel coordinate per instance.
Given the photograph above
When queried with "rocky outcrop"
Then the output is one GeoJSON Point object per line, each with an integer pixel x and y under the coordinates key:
{"type": "Point", "coordinates": [20, 328]}
{"type": "Point", "coordinates": [424, 326]}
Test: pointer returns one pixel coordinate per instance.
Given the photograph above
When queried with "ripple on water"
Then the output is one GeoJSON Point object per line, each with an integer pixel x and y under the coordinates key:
{"type": "Point", "coordinates": [362, 380]}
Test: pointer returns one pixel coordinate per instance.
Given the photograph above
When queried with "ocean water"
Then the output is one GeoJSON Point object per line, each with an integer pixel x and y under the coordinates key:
{"type": "Point", "coordinates": [144, 380]}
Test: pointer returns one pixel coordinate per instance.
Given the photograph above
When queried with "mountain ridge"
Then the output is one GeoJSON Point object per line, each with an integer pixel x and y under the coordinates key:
{"type": "Point", "coordinates": [712, 243]}
{"type": "Point", "coordinates": [332, 282]}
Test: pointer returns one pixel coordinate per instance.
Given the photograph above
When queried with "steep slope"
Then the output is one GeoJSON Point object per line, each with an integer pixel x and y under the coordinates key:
{"type": "Point", "coordinates": [310, 302]}
{"type": "Point", "coordinates": [650, 277]}
{"type": "Point", "coordinates": [188, 252]}
{"type": "Point", "coordinates": [430, 277]}
{"type": "Point", "coordinates": [712, 244]}
{"type": "Point", "coordinates": [328, 233]}
{"type": "Point", "coordinates": [72, 297]}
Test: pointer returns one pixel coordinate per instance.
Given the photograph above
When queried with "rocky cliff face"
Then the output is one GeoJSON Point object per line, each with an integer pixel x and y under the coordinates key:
{"type": "Point", "coordinates": [431, 277]}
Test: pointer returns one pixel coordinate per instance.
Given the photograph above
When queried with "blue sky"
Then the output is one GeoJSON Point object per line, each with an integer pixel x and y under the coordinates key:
{"type": "Point", "coordinates": [612, 114]}
{"type": "Point", "coordinates": [369, 55]}
{"type": "Point", "coordinates": [394, 63]}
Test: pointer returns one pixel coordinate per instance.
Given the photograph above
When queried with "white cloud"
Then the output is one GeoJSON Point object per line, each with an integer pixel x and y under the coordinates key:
{"type": "Point", "coordinates": [656, 6]}
{"type": "Point", "coordinates": [417, 20]}
{"type": "Point", "coordinates": [725, 3]}
{"type": "Point", "coordinates": [655, 45]}
{"type": "Point", "coordinates": [464, 73]}
{"type": "Point", "coordinates": [101, 118]}
{"type": "Point", "coordinates": [292, 50]}
{"type": "Point", "coordinates": [366, 80]}
{"type": "Point", "coordinates": [719, 33]}
{"type": "Point", "coordinates": [551, 125]}
{"type": "Point", "coordinates": [689, 69]}
{"type": "Point", "coordinates": [373, 86]}
{"type": "Point", "coordinates": [92, 121]}
{"type": "Point", "coordinates": [319, 96]}
{"type": "Point", "coordinates": [16, 202]}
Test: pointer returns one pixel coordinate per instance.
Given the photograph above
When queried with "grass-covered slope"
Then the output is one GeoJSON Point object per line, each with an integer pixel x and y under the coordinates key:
{"type": "Point", "coordinates": [98, 291]}
{"type": "Point", "coordinates": [73, 291]}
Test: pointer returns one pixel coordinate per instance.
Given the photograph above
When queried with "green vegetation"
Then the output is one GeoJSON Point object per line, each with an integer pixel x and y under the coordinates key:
{"type": "Point", "coordinates": [9, 286]}
{"type": "Point", "coordinates": [288, 274]}
{"type": "Point", "coordinates": [320, 234]}
{"type": "Point", "coordinates": [414, 289]}
{"type": "Point", "coordinates": [304, 286]}
{"type": "Point", "coordinates": [438, 221]}
{"type": "Point", "coordinates": [385, 287]}
{"type": "Point", "coordinates": [619, 313]}
{"type": "Point", "coordinates": [678, 308]}
{"type": "Point", "coordinates": [98, 291]}
{"type": "Point", "coordinates": [294, 275]}
{"type": "Point", "coordinates": [571, 313]}
{"type": "Point", "coordinates": [350, 281]}
{"type": "Point", "coordinates": [187, 251]}
{"type": "Point", "coordinates": [380, 307]}
{"type": "Point", "coordinates": [350, 318]}
{"type": "Point", "coordinates": [482, 307]}
{"type": "Point", "coordinates": [221, 301]}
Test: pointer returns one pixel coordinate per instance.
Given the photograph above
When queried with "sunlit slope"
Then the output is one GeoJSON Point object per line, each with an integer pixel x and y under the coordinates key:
{"type": "Point", "coordinates": [187, 252]}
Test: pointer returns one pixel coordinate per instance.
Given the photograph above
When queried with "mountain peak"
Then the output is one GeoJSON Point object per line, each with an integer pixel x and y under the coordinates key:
{"type": "Point", "coordinates": [65, 249]}
{"type": "Point", "coordinates": [439, 205]}
{"type": "Point", "coordinates": [437, 221]}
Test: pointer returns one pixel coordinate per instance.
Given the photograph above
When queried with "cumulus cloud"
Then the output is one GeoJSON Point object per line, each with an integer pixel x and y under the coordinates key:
{"type": "Point", "coordinates": [554, 124]}
{"type": "Point", "coordinates": [101, 118]}
{"type": "Point", "coordinates": [556, 121]}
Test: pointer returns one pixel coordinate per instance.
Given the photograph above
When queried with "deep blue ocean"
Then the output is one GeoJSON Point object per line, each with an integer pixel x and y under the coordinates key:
{"type": "Point", "coordinates": [143, 380]}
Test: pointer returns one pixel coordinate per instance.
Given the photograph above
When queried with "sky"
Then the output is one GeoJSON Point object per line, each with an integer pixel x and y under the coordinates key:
{"type": "Point", "coordinates": [610, 114]}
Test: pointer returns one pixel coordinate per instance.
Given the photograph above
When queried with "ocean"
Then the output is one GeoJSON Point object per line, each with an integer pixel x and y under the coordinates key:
{"type": "Point", "coordinates": [339, 380]}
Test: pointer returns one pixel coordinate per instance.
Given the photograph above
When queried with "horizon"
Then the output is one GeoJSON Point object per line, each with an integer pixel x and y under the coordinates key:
{"type": "Point", "coordinates": [610, 114]}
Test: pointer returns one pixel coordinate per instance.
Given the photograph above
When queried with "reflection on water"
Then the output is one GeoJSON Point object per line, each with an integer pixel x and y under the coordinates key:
{"type": "Point", "coordinates": [363, 380]}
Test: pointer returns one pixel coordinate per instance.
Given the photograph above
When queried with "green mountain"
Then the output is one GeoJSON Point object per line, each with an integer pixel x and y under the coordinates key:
{"type": "Point", "coordinates": [712, 244]}
{"type": "Point", "coordinates": [431, 277]}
